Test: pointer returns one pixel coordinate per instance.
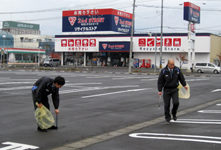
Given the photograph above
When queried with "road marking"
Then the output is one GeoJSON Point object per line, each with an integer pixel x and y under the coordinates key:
{"type": "Point", "coordinates": [110, 135]}
{"type": "Point", "coordinates": [197, 121]}
{"type": "Point", "coordinates": [118, 92]}
{"type": "Point", "coordinates": [217, 90]}
{"type": "Point", "coordinates": [75, 84]}
{"type": "Point", "coordinates": [16, 88]}
{"type": "Point", "coordinates": [189, 80]}
{"type": "Point", "coordinates": [149, 79]}
{"type": "Point", "coordinates": [218, 104]}
{"type": "Point", "coordinates": [96, 88]}
{"type": "Point", "coordinates": [210, 111]}
{"type": "Point", "coordinates": [16, 83]}
{"type": "Point", "coordinates": [17, 146]}
{"type": "Point", "coordinates": [177, 137]}
{"type": "Point", "coordinates": [126, 78]}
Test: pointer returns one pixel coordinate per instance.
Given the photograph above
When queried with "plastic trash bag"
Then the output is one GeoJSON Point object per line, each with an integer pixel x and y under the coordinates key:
{"type": "Point", "coordinates": [43, 117]}
{"type": "Point", "coordinates": [183, 93]}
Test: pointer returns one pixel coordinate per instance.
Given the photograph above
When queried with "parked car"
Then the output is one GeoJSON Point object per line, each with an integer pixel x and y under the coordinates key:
{"type": "Point", "coordinates": [206, 67]}
{"type": "Point", "coordinates": [51, 62]}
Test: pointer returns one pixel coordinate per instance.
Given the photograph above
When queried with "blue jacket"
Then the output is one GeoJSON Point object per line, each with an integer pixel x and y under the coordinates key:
{"type": "Point", "coordinates": [170, 80]}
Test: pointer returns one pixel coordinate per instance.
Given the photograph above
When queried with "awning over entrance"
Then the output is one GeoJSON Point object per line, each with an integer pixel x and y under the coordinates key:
{"type": "Point", "coordinates": [24, 50]}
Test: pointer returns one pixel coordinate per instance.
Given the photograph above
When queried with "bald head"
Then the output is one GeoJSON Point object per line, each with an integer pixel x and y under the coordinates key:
{"type": "Point", "coordinates": [170, 63]}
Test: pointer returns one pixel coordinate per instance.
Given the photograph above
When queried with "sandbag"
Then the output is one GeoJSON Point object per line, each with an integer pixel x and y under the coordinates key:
{"type": "Point", "coordinates": [43, 117]}
{"type": "Point", "coordinates": [183, 93]}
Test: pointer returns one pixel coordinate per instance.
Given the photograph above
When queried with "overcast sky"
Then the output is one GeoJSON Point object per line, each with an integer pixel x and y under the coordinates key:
{"type": "Point", "coordinates": [48, 13]}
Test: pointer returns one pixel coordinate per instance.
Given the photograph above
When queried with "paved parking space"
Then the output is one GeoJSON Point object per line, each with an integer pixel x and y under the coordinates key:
{"type": "Point", "coordinates": [106, 106]}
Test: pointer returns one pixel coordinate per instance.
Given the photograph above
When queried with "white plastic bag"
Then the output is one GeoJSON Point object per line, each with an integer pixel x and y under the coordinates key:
{"type": "Point", "coordinates": [44, 118]}
{"type": "Point", "coordinates": [183, 93]}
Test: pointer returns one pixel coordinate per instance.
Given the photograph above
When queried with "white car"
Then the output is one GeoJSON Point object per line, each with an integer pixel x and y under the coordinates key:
{"type": "Point", "coordinates": [206, 67]}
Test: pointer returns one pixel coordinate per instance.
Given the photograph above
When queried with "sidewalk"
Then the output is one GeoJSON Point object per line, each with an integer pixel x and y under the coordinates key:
{"type": "Point", "coordinates": [96, 69]}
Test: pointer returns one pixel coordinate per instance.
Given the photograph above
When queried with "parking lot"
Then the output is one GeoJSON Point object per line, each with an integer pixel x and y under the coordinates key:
{"type": "Point", "coordinates": [109, 111]}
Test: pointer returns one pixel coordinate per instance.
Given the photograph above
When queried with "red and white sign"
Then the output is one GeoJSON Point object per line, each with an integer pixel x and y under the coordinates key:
{"type": "Point", "coordinates": [64, 43]}
{"type": "Point", "coordinates": [78, 42]}
{"type": "Point", "coordinates": [116, 19]}
{"type": "Point", "coordinates": [168, 42]}
{"type": "Point", "coordinates": [72, 20]}
{"type": "Point", "coordinates": [192, 27]}
{"type": "Point", "coordinates": [92, 42]}
{"type": "Point", "coordinates": [70, 42]}
{"type": "Point", "coordinates": [85, 42]}
{"type": "Point", "coordinates": [159, 42]}
{"type": "Point", "coordinates": [142, 42]}
{"type": "Point", "coordinates": [150, 42]}
{"type": "Point", "coordinates": [177, 42]}
{"type": "Point", "coordinates": [104, 46]}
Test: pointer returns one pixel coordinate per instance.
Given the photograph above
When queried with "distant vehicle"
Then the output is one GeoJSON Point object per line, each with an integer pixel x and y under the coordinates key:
{"type": "Point", "coordinates": [206, 67]}
{"type": "Point", "coordinates": [51, 62]}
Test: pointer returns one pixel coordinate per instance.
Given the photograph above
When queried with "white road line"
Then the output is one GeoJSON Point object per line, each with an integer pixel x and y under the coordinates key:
{"type": "Point", "coordinates": [96, 88]}
{"type": "Point", "coordinates": [197, 121]}
{"type": "Point", "coordinates": [218, 104]}
{"type": "Point", "coordinates": [189, 80]}
{"type": "Point", "coordinates": [16, 88]}
{"type": "Point", "coordinates": [16, 83]}
{"type": "Point", "coordinates": [127, 78]}
{"type": "Point", "coordinates": [217, 90]}
{"type": "Point", "coordinates": [149, 79]}
{"type": "Point", "coordinates": [104, 94]}
{"type": "Point", "coordinates": [176, 137]}
{"type": "Point", "coordinates": [75, 84]}
{"type": "Point", "coordinates": [210, 111]}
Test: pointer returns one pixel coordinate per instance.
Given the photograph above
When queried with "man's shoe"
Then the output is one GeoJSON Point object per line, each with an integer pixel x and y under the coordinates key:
{"type": "Point", "coordinates": [175, 118]}
{"type": "Point", "coordinates": [167, 122]}
{"type": "Point", "coordinates": [53, 128]}
{"type": "Point", "coordinates": [42, 130]}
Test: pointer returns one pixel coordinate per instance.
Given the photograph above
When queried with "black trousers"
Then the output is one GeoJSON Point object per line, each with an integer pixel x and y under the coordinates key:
{"type": "Point", "coordinates": [167, 95]}
{"type": "Point", "coordinates": [43, 99]}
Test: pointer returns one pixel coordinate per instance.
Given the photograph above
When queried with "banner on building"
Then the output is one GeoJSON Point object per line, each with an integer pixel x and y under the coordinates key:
{"type": "Point", "coordinates": [121, 46]}
{"type": "Point", "coordinates": [96, 20]}
{"type": "Point", "coordinates": [191, 12]}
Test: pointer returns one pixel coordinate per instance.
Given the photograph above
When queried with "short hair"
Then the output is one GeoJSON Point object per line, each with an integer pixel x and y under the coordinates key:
{"type": "Point", "coordinates": [59, 80]}
{"type": "Point", "coordinates": [171, 59]}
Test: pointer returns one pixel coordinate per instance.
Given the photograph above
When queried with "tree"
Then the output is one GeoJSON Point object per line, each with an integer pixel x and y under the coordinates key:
{"type": "Point", "coordinates": [55, 55]}
{"type": "Point", "coordinates": [181, 57]}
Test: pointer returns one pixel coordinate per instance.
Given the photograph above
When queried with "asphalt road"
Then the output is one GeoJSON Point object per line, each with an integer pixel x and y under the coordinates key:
{"type": "Point", "coordinates": [109, 111]}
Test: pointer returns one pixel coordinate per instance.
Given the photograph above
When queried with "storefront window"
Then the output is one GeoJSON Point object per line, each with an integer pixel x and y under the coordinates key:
{"type": "Point", "coordinates": [18, 56]}
{"type": "Point", "coordinates": [76, 59]}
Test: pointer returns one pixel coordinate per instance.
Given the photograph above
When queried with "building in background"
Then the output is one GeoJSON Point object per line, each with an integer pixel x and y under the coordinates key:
{"type": "Point", "coordinates": [28, 43]}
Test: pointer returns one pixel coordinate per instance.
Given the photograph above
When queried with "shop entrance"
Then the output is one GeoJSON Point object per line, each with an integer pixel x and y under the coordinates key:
{"type": "Point", "coordinates": [108, 59]}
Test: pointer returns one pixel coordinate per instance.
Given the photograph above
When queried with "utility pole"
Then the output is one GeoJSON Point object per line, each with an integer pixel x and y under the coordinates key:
{"type": "Point", "coordinates": [131, 39]}
{"type": "Point", "coordinates": [161, 40]}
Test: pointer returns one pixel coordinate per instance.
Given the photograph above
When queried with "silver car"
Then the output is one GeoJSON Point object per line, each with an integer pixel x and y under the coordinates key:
{"type": "Point", "coordinates": [206, 67]}
{"type": "Point", "coordinates": [51, 62]}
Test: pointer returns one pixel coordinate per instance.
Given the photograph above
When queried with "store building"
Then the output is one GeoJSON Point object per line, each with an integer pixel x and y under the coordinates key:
{"type": "Point", "coordinates": [102, 37]}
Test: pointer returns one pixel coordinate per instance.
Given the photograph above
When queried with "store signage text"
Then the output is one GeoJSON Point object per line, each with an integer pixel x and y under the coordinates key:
{"type": "Point", "coordinates": [168, 42]}
{"type": "Point", "coordinates": [78, 44]}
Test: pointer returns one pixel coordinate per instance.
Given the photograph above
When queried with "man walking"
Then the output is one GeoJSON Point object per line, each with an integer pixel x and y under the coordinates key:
{"type": "Point", "coordinates": [40, 91]}
{"type": "Point", "coordinates": [169, 80]}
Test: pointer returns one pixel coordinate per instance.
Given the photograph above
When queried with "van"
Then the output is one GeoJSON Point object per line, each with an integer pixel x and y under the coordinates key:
{"type": "Point", "coordinates": [51, 62]}
{"type": "Point", "coordinates": [206, 67]}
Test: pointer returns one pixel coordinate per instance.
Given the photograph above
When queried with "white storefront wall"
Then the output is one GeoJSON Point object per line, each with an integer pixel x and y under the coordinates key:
{"type": "Point", "coordinates": [174, 46]}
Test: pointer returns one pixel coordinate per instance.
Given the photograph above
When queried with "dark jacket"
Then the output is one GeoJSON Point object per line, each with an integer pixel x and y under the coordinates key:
{"type": "Point", "coordinates": [170, 80]}
{"type": "Point", "coordinates": [43, 87]}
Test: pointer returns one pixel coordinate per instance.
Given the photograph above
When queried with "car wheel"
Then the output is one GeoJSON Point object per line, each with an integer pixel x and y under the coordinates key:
{"type": "Point", "coordinates": [199, 71]}
{"type": "Point", "coordinates": [51, 65]}
{"type": "Point", "coordinates": [45, 65]}
{"type": "Point", "coordinates": [56, 65]}
{"type": "Point", "coordinates": [216, 71]}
